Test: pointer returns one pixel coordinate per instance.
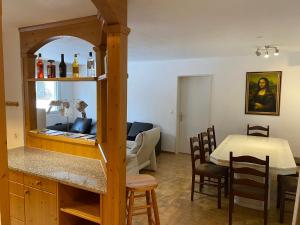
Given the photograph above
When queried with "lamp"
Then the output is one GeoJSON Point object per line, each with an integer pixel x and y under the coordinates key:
{"type": "Point", "coordinates": [63, 107]}
{"type": "Point", "coordinates": [266, 50]}
{"type": "Point", "coordinates": [81, 106]}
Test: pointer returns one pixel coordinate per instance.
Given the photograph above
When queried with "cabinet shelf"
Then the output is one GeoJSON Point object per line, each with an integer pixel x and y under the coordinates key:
{"type": "Point", "coordinates": [63, 79]}
{"type": "Point", "coordinates": [88, 210]}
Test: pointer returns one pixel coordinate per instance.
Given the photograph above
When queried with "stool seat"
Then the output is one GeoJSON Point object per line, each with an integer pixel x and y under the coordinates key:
{"type": "Point", "coordinates": [141, 186]}
{"type": "Point", "coordinates": [141, 182]}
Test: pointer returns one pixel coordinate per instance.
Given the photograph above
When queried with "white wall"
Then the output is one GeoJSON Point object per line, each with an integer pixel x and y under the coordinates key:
{"type": "Point", "coordinates": [152, 95]}
{"type": "Point", "coordinates": [13, 85]}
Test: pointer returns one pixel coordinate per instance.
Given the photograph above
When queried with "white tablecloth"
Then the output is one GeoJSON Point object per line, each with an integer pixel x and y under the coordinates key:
{"type": "Point", "coordinates": [281, 157]}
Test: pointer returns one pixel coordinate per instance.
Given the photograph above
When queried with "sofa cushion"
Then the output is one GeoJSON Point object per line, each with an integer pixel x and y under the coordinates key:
{"type": "Point", "coordinates": [81, 125]}
{"type": "Point", "coordinates": [128, 126]}
{"type": "Point", "coordinates": [94, 129]}
{"type": "Point", "coordinates": [136, 128]}
{"type": "Point", "coordinates": [133, 146]}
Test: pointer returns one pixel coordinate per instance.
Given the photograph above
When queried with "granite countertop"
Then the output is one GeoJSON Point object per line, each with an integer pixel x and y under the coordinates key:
{"type": "Point", "coordinates": [80, 172]}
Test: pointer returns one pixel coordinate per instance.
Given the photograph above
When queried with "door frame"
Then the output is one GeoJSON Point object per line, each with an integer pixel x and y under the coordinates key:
{"type": "Point", "coordinates": [178, 106]}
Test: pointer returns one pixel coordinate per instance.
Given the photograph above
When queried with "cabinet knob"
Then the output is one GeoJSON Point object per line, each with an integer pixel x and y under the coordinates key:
{"type": "Point", "coordinates": [26, 192]}
{"type": "Point", "coordinates": [38, 183]}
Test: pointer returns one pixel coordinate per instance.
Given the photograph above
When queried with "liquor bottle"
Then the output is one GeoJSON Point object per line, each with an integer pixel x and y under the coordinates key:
{"type": "Point", "coordinates": [62, 67]}
{"type": "Point", "coordinates": [75, 67]}
{"type": "Point", "coordinates": [91, 72]}
{"type": "Point", "coordinates": [40, 67]}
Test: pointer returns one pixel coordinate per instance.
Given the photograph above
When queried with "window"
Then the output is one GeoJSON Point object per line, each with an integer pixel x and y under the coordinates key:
{"type": "Point", "coordinates": [46, 91]}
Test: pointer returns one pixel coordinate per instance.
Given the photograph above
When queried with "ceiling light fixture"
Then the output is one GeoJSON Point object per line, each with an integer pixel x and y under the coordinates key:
{"type": "Point", "coordinates": [266, 54]}
{"type": "Point", "coordinates": [266, 50]}
{"type": "Point", "coordinates": [276, 53]}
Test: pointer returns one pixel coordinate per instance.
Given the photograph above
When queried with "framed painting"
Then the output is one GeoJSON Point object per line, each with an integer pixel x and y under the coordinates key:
{"type": "Point", "coordinates": [263, 93]}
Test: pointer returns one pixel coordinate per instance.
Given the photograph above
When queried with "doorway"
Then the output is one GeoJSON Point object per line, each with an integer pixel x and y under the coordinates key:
{"type": "Point", "coordinates": [193, 109]}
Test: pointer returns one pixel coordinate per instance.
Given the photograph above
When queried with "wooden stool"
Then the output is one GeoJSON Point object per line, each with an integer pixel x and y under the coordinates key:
{"type": "Point", "coordinates": [140, 186]}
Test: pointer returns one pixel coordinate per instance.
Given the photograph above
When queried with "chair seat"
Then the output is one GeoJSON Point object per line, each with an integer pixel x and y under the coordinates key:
{"type": "Point", "coordinates": [212, 170]}
{"type": "Point", "coordinates": [289, 183]}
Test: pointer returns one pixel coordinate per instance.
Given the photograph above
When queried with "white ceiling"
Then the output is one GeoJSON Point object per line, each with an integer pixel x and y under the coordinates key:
{"type": "Point", "coordinates": [172, 29]}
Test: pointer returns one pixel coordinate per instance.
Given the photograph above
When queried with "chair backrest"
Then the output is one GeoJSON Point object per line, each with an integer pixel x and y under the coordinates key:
{"type": "Point", "coordinates": [195, 151]}
{"type": "Point", "coordinates": [258, 131]}
{"type": "Point", "coordinates": [150, 139]}
{"type": "Point", "coordinates": [212, 138]}
{"type": "Point", "coordinates": [205, 150]}
{"type": "Point", "coordinates": [249, 170]}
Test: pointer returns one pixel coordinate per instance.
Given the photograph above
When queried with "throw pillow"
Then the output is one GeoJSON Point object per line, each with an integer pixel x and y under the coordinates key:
{"type": "Point", "coordinates": [81, 125]}
{"type": "Point", "coordinates": [137, 144]}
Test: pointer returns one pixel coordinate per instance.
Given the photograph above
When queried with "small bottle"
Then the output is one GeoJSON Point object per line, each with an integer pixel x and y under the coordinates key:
{"type": "Point", "coordinates": [62, 67]}
{"type": "Point", "coordinates": [51, 69]}
{"type": "Point", "coordinates": [75, 66]}
{"type": "Point", "coordinates": [91, 72]}
{"type": "Point", "coordinates": [40, 67]}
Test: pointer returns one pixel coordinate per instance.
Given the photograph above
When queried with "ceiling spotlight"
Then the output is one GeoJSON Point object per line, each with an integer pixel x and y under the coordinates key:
{"type": "Point", "coordinates": [266, 54]}
{"type": "Point", "coordinates": [276, 53]}
{"type": "Point", "coordinates": [258, 53]}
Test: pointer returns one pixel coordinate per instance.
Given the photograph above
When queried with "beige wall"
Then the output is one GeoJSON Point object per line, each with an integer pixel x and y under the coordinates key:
{"type": "Point", "coordinates": [152, 95]}
{"type": "Point", "coordinates": [13, 86]}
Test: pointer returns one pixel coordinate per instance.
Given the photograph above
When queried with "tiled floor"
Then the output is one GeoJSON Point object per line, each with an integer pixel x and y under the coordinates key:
{"type": "Point", "coordinates": [175, 207]}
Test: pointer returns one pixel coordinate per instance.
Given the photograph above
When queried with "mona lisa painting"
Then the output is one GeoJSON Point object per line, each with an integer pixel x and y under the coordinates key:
{"type": "Point", "coordinates": [263, 93]}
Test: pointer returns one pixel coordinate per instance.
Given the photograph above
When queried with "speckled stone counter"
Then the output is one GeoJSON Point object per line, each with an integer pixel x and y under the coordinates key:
{"type": "Point", "coordinates": [80, 172]}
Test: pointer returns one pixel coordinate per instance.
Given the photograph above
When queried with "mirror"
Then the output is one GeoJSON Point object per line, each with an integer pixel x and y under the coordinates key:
{"type": "Point", "coordinates": [64, 107]}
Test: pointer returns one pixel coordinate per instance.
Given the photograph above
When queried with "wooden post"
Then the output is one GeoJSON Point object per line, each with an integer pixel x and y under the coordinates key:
{"type": "Point", "coordinates": [114, 200]}
{"type": "Point", "coordinates": [4, 197]}
{"type": "Point", "coordinates": [28, 63]}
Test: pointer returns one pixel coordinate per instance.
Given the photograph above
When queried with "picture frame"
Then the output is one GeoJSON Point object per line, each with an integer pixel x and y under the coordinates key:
{"type": "Point", "coordinates": [263, 92]}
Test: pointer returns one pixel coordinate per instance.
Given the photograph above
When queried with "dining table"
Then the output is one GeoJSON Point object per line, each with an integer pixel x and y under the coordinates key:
{"type": "Point", "coordinates": [281, 158]}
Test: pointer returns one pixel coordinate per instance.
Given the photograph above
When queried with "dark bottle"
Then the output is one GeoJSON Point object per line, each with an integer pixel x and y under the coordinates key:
{"type": "Point", "coordinates": [62, 67]}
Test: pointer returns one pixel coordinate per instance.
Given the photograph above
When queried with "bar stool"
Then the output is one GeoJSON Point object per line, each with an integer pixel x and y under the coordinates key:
{"type": "Point", "coordinates": [139, 186]}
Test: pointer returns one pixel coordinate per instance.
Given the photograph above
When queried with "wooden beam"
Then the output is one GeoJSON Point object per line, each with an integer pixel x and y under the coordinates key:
{"type": "Point", "coordinates": [114, 200]}
{"type": "Point", "coordinates": [112, 11]}
{"type": "Point", "coordinates": [4, 197]}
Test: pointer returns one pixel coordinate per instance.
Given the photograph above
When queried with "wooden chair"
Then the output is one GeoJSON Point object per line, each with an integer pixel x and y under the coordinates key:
{"type": "Point", "coordinates": [140, 186]}
{"type": "Point", "coordinates": [249, 188]}
{"type": "Point", "coordinates": [258, 131]}
{"type": "Point", "coordinates": [212, 138]}
{"type": "Point", "coordinates": [204, 170]}
{"type": "Point", "coordinates": [286, 190]}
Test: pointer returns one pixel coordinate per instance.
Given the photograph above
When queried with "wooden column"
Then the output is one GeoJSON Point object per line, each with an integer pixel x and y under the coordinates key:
{"type": "Point", "coordinates": [28, 63]}
{"type": "Point", "coordinates": [114, 200]}
{"type": "Point", "coordinates": [4, 197]}
{"type": "Point", "coordinates": [101, 96]}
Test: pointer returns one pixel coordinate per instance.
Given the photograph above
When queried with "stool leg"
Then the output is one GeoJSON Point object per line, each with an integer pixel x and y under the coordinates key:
{"type": "Point", "coordinates": [127, 197]}
{"type": "Point", "coordinates": [149, 203]}
{"type": "Point", "coordinates": [130, 208]}
{"type": "Point", "coordinates": [155, 209]}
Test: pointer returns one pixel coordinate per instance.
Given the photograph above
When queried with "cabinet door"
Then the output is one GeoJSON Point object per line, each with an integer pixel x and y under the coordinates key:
{"type": "Point", "coordinates": [16, 207]}
{"type": "Point", "coordinates": [40, 207]}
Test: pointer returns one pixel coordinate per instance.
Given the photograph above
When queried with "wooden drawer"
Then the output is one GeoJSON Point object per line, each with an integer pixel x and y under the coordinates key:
{"type": "Point", "coordinates": [16, 188]}
{"type": "Point", "coordinates": [40, 183]}
{"type": "Point", "coordinates": [17, 207]}
{"type": "Point", "coordinates": [16, 176]}
{"type": "Point", "coordinates": [16, 221]}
